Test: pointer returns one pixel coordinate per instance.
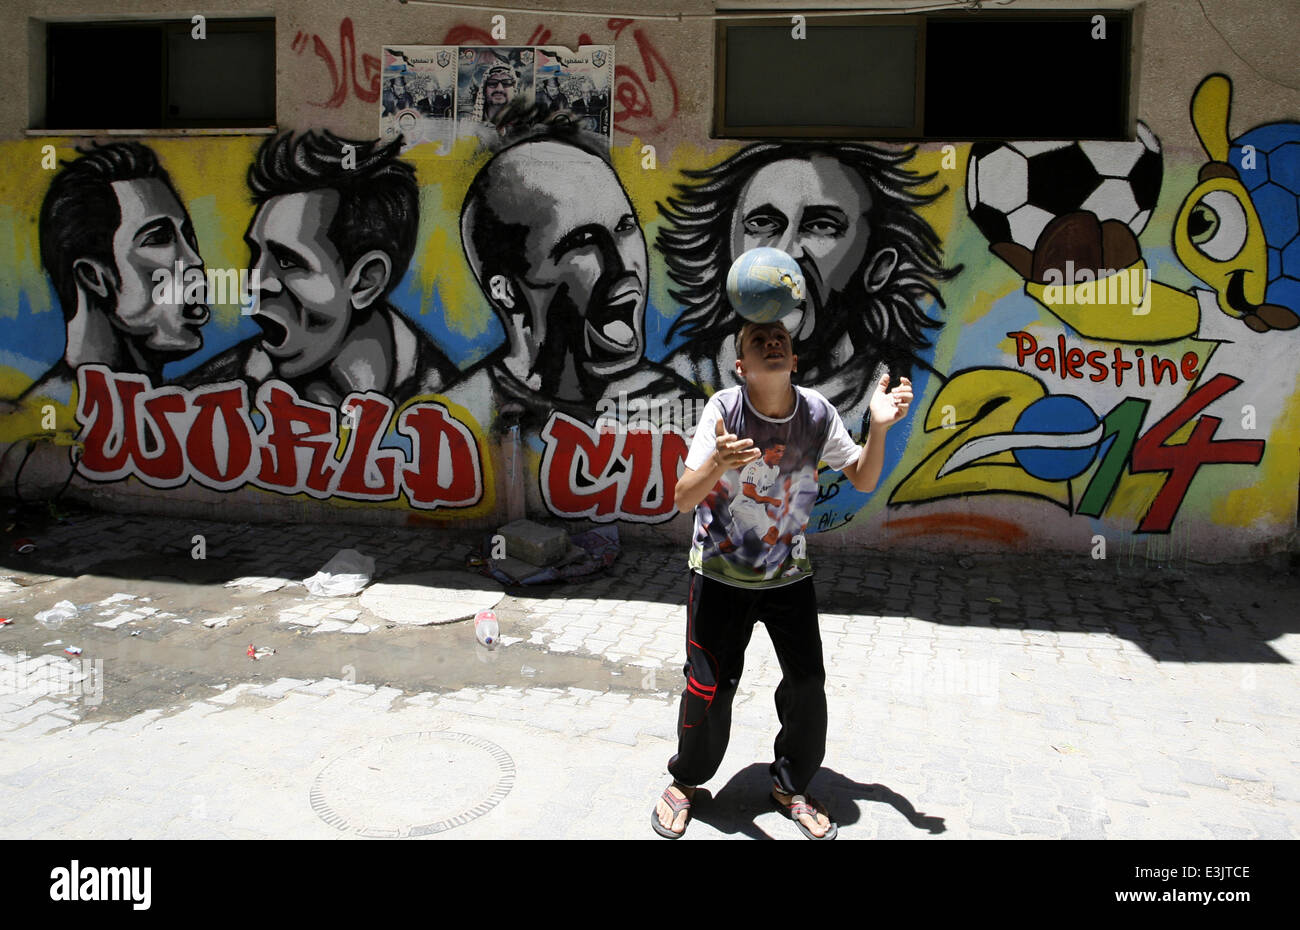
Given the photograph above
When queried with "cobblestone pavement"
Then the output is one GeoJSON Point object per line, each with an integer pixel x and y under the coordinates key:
{"type": "Point", "coordinates": [986, 697]}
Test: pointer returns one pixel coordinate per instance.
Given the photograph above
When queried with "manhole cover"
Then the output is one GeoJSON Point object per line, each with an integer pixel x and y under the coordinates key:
{"type": "Point", "coordinates": [413, 784]}
{"type": "Point", "coordinates": [431, 597]}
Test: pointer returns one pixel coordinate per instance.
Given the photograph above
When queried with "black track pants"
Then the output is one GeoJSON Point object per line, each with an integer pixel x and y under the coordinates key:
{"type": "Point", "coordinates": [719, 621]}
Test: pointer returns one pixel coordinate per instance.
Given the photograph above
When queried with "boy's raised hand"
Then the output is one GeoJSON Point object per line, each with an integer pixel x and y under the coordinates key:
{"type": "Point", "coordinates": [888, 407]}
{"type": "Point", "coordinates": [731, 451]}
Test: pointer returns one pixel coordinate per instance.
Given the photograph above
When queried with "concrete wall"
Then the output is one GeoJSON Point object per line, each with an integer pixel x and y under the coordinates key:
{"type": "Point", "coordinates": [453, 318]}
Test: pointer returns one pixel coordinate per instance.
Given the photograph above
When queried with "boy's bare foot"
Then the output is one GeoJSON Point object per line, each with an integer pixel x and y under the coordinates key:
{"type": "Point", "coordinates": [818, 826]}
{"type": "Point", "coordinates": [667, 819]}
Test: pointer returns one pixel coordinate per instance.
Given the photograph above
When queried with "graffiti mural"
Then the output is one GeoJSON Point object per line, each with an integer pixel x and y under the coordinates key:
{"type": "Point", "coordinates": [1099, 334]}
{"type": "Point", "coordinates": [168, 436]}
{"type": "Point", "coordinates": [333, 233]}
{"type": "Point", "coordinates": [558, 251]}
{"type": "Point", "coordinates": [1142, 362]}
{"type": "Point", "coordinates": [110, 220]}
{"type": "Point", "coordinates": [847, 214]}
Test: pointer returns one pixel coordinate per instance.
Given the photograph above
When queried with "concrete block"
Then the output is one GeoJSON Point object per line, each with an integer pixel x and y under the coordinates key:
{"type": "Point", "coordinates": [534, 543]}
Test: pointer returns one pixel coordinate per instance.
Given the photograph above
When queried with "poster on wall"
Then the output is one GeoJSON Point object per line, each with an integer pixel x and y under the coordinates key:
{"type": "Point", "coordinates": [418, 97]}
{"type": "Point", "coordinates": [577, 83]}
{"type": "Point", "coordinates": [435, 94]}
{"type": "Point", "coordinates": [491, 80]}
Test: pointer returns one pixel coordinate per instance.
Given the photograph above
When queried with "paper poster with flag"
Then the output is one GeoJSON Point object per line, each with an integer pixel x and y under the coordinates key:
{"type": "Point", "coordinates": [418, 96]}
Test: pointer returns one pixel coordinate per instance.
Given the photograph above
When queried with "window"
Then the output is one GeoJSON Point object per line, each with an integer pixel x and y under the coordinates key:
{"type": "Point", "coordinates": [844, 78]}
{"type": "Point", "coordinates": [942, 77]}
{"type": "Point", "coordinates": [1027, 77]}
{"type": "Point", "coordinates": [159, 75]}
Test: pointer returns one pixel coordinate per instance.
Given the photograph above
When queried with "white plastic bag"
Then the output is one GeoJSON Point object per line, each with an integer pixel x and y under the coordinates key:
{"type": "Point", "coordinates": [54, 617]}
{"type": "Point", "coordinates": [344, 575]}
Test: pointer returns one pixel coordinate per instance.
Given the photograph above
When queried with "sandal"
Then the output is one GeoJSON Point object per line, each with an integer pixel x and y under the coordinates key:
{"type": "Point", "coordinates": [800, 805]}
{"type": "Point", "coordinates": [678, 805]}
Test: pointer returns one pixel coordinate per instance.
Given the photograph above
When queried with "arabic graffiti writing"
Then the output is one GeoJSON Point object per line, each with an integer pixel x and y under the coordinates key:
{"type": "Point", "coordinates": [343, 73]}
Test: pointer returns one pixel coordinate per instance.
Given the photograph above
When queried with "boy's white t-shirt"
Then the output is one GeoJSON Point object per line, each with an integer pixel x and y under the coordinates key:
{"type": "Point", "coordinates": [728, 541]}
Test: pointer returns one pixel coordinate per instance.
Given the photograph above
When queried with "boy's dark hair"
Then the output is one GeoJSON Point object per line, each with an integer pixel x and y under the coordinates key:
{"type": "Point", "coordinates": [81, 213]}
{"type": "Point", "coordinates": [379, 201]}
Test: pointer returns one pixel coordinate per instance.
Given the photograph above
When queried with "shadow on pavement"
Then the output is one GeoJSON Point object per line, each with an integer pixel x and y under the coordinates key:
{"type": "Point", "coordinates": [1176, 612]}
{"type": "Point", "coordinates": [1184, 613]}
{"type": "Point", "coordinates": [738, 804]}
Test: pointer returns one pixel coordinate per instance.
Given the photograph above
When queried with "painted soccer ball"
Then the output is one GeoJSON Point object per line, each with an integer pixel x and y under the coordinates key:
{"type": "Point", "coordinates": [764, 285]}
{"type": "Point", "coordinates": [1014, 189]}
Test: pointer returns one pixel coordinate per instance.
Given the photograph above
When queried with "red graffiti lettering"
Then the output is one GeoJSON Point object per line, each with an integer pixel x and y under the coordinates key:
{"type": "Point", "coordinates": [446, 470]}
{"type": "Point", "coordinates": [1150, 452]}
{"type": "Point", "coordinates": [574, 468]}
{"type": "Point", "coordinates": [368, 471]}
{"type": "Point", "coordinates": [630, 94]}
{"type": "Point", "coordinates": [366, 87]}
{"type": "Point", "coordinates": [167, 466]}
{"type": "Point", "coordinates": [1067, 362]}
{"type": "Point", "coordinates": [639, 101]}
{"type": "Point", "coordinates": [606, 475]}
{"type": "Point", "coordinates": [281, 464]}
{"type": "Point", "coordinates": [637, 449]}
{"type": "Point", "coordinates": [229, 407]}
{"type": "Point", "coordinates": [166, 436]}
{"type": "Point", "coordinates": [121, 426]}
{"type": "Point", "coordinates": [654, 459]}
{"type": "Point", "coordinates": [105, 450]}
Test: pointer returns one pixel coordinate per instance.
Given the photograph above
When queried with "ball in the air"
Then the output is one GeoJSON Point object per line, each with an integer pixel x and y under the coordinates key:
{"type": "Point", "coordinates": [764, 285]}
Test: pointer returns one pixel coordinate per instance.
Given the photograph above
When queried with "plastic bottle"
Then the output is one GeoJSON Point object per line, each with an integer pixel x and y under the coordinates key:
{"type": "Point", "coordinates": [486, 630]}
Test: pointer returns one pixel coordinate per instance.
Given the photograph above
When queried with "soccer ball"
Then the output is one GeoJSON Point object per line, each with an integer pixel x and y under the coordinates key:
{"type": "Point", "coordinates": [764, 285]}
{"type": "Point", "coordinates": [1014, 189]}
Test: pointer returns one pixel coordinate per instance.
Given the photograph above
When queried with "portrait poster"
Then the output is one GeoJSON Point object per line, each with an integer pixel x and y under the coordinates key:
{"type": "Point", "coordinates": [418, 96]}
{"type": "Point", "coordinates": [577, 83]}
{"type": "Point", "coordinates": [490, 79]}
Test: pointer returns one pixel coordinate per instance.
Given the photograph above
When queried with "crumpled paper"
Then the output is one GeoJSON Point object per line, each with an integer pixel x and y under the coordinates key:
{"type": "Point", "coordinates": [54, 617]}
{"type": "Point", "coordinates": [346, 574]}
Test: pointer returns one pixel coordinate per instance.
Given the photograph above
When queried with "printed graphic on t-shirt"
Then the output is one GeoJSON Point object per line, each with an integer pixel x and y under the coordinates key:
{"type": "Point", "coordinates": [748, 526]}
{"type": "Point", "coordinates": [750, 509]}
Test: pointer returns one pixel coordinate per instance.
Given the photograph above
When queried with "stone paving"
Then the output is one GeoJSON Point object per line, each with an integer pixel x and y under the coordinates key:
{"type": "Point", "coordinates": [985, 698]}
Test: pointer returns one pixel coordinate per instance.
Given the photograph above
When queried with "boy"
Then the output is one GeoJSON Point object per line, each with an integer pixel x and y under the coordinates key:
{"type": "Point", "coordinates": [742, 578]}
